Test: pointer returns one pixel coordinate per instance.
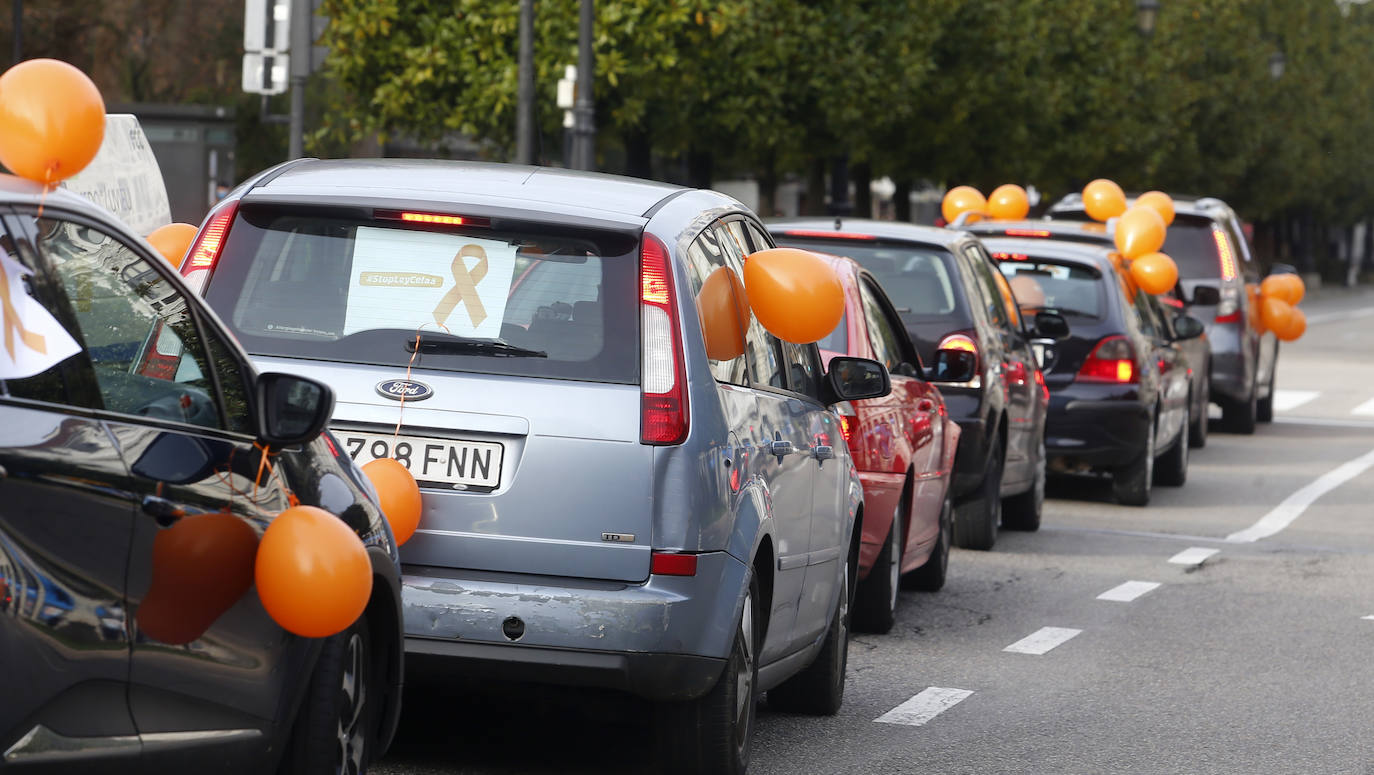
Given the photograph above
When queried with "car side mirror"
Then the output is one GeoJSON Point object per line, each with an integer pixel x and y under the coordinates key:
{"type": "Point", "coordinates": [953, 366]}
{"type": "Point", "coordinates": [1283, 269]}
{"type": "Point", "coordinates": [291, 410]}
{"type": "Point", "coordinates": [854, 379]}
{"type": "Point", "coordinates": [1187, 327]}
{"type": "Point", "coordinates": [1206, 295]}
{"type": "Point", "coordinates": [907, 370]}
{"type": "Point", "coordinates": [1051, 325]}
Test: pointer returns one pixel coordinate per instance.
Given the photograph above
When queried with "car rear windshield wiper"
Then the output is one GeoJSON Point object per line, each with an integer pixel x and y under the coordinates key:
{"type": "Point", "coordinates": [462, 346]}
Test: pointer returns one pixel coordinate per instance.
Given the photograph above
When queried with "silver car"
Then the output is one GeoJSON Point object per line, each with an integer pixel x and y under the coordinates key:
{"type": "Point", "coordinates": [603, 503]}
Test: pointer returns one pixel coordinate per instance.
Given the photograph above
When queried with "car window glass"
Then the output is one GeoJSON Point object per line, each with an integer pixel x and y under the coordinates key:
{"type": "Point", "coordinates": [886, 346]}
{"type": "Point", "coordinates": [735, 229]}
{"type": "Point", "coordinates": [1070, 289]}
{"type": "Point", "coordinates": [758, 237]}
{"type": "Point", "coordinates": [915, 277]}
{"type": "Point", "coordinates": [763, 351]}
{"type": "Point", "coordinates": [1148, 324]}
{"type": "Point", "coordinates": [67, 381]}
{"type": "Point", "coordinates": [704, 257]}
{"type": "Point", "coordinates": [992, 297]}
{"type": "Point", "coordinates": [1008, 299]}
{"type": "Point", "coordinates": [139, 333]}
{"type": "Point", "coordinates": [803, 368]}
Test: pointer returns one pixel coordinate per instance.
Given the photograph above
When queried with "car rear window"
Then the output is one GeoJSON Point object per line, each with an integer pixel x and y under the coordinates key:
{"type": "Point", "coordinates": [1071, 289]}
{"type": "Point", "coordinates": [1190, 242]}
{"type": "Point", "coordinates": [537, 302]}
{"type": "Point", "coordinates": [916, 278]}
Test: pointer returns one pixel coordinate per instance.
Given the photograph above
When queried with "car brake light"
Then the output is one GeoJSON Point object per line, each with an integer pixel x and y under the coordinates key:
{"type": "Point", "coordinates": [1040, 380]}
{"type": "Point", "coordinates": [1010, 256]}
{"type": "Point", "coordinates": [673, 564]}
{"type": "Point", "coordinates": [1026, 232]}
{"type": "Point", "coordinates": [663, 382]}
{"type": "Point", "coordinates": [431, 219]}
{"type": "Point", "coordinates": [1112, 360]}
{"type": "Point", "coordinates": [829, 234]}
{"type": "Point", "coordinates": [210, 242]}
{"type": "Point", "coordinates": [1224, 252]}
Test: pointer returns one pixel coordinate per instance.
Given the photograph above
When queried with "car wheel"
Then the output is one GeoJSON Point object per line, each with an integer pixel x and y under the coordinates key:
{"type": "Point", "coordinates": [335, 729]}
{"type": "Point", "coordinates": [713, 733]}
{"type": "Point", "coordinates": [977, 520]}
{"type": "Point", "coordinates": [1022, 512]}
{"type": "Point", "coordinates": [1197, 431]}
{"type": "Point", "coordinates": [1131, 482]}
{"type": "Point", "coordinates": [1240, 416]}
{"type": "Point", "coordinates": [1171, 469]}
{"type": "Point", "coordinates": [931, 576]}
{"type": "Point", "coordinates": [819, 689]}
{"type": "Point", "coordinates": [1264, 408]}
{"type": "Point", "coordinates": [875, 603]}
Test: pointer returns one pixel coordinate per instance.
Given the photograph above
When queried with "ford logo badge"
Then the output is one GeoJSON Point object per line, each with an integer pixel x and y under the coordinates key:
{"type": "Point", "coordinates": [404, 390]}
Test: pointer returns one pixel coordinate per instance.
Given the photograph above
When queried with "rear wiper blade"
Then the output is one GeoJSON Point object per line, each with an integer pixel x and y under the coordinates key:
{"type": "Point", "coordinates": [459, 346]}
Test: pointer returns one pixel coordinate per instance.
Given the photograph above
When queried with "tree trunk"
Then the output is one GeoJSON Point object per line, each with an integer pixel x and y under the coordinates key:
{"type": "Point", "coordinates": [862, 175]}
{"type": "Point", "coordinates": [815, 188]}
{"type": "Point", "coordinates": [901, 199]}
{"type": "Point", "coordinates": [767, 175]}
{"type": "Point", "coordinates": [639, 154]}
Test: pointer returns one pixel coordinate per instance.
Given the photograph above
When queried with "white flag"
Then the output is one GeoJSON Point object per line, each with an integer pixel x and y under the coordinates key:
{"type": "Point", "coordinates": [33, 341]}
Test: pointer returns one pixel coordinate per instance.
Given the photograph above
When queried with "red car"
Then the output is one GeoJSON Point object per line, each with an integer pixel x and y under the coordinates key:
{"type": "Point", "coordinates": [903, 445]}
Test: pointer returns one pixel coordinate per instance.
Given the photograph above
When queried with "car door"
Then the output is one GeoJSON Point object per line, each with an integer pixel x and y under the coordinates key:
{"type": "Point", "coordinates": [1172, 365]}
{"type": "Point", "coordinates": [65, 529]}
{"type": "Point", "coordinates": [206, 670]}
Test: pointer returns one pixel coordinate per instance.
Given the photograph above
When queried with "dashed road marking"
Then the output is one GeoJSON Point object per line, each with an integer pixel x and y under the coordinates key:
{"type": "Point", "coordinates": [1042, 640]}
{"type": "Point", "coordinates": [1195, 555]}
{"type": "Point", "coordinates": [923, 707]}
{"type": "Point", "coordinates": [1287, 400]}
{"type": "Point", "coordinates": [1366, 409]}
{"type": "Point", "coordinates": [1125, 593]}
{"type": "Point", "coordinates": [1294, 505]}
{"type": "Point", "coordinates": [1371, 618]}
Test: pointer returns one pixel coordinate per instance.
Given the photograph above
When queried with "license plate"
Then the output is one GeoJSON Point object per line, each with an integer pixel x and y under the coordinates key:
{"type": "Point", "coordinates": [436, 462]}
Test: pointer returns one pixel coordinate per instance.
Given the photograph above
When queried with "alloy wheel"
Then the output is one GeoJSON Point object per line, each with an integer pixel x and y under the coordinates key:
{"type": "Point", "coordinates": [352, 731]}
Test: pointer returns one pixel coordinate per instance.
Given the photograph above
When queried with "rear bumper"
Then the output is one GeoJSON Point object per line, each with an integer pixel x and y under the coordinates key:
{"type": "Point", "coordinates": [665, 638]}
{"type": "Point", "coordinates": [965, 406]}
{"type": "Point", "coordinates": [1232, 373]}
{"type": "Point", "coordinates": [1100, 433]}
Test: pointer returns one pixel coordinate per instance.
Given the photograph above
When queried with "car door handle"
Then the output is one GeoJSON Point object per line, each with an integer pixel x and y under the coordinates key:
{"type": "Point", "coordinates": [163, 511]}
{"type": "Point", "coordinates": [780, 448]}
{"type": "Point", "coordinates": [823, 452]}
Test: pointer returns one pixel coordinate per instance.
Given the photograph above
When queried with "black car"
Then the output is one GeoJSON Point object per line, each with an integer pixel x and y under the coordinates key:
{"type": "Point", "coordinates": [950, 295]}
{"type": "Point", "coordinates": [140, 465]}
{"type": "Point", "coordinates": [1198, 350]}
{"type": "Point", "coordinates": [1218, 274]}
{"type": "Point", "coordinates": [1119, 384]}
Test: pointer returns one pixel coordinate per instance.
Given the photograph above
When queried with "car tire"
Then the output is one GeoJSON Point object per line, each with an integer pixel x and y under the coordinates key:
{"type": "Point", "coordinates": [977, 519]}
{"type": "Point", "coordinates": [1240, 416]}
{"type": "Point", "coordinates": [931, 576]}
{"type": "Point", "coordinates": [819, 689]}
{"type": "Point", "coordinates": [1197, 430]}
{"type": "Point", "coordinates": [1022, 511]}
{"type": "Point", "coordinates": [1171, 468]}
{"type": "Point", "coordinates": [1264, 407]}
{"type": "Point", "coordinates": [875, 601]}
{"type": "Point", "coordinates": [1131, 482]}
{"type": "Point", "coordinates": [713, 733]}
{"type": "Point", "coordinates": [336, 727]}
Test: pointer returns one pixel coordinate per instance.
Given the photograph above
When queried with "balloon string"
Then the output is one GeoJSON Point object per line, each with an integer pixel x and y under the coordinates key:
{"type": "Point", "coordinates": [264, 463]}
{"type": "Point", "coordinates": [47, 186]}
{"type": "Point", "coordinates": [414, 353]}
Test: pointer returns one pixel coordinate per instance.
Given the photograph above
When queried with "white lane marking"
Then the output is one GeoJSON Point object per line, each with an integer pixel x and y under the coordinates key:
{"type": "Point", "coordinates": [1366, 409]}
{"type": "Point", "coordinates": [1371, 618]}
{"type": "Point", "coordinates": [1288, 400]}
{"type": "Point", "coordinates": [1195, 555]}
{"type": "Point", "coordinates": [1325, 422]}
{"type": "Point", "coordinates": [1332, 317]}
{"type": "Point", "coordinates": [923, 707]}
{"type": "Point", "coordinates": [1125, 593]}
{"type": "Point", "coordinates": [1294, 505]}
{"type": "Point", "coordinates": [1042, 640]}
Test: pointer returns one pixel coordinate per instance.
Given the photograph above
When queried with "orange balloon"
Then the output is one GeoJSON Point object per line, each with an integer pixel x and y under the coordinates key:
{"type": "Point", "coordinates": [313, 574]}
{"type": "Point", "coordinates": [1103, 199]}
{"type": "Point", "coordinates": [1139, 232]}
{"type": "Point", "coordinates": [794, 294]}
{"type": "Point", "coordinates": [52, 120]}
{"type": "Point", "coordinates": [959, 200]}
{"type": "Point", "coordinates": [1154, 273]}
{"type": "Point", "coordinates": [1008, 203]}
{"type": "Point", "coordinates": [1288, 287]}
{"type": "Point", "coordinates": [1294, 328]}
{"type": "Point", "coordinates": [172, 241]}
{"type": "Point", "coordinates": [1160, 202]}
{"type": "Point", "coordinates": [1276, 314]}
{"type": "Point", "coordinates": [723, 308]}
{"type": "Point", "coordinates": [1256, 313]}
{"type": "Point", "coordinates": [202, 565]}
{"type": "Point", "coordinates": [398, 495]}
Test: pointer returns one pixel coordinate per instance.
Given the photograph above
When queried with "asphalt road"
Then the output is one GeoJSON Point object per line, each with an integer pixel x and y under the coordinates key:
{"type": "Point", "coordinates": [1255, 660]}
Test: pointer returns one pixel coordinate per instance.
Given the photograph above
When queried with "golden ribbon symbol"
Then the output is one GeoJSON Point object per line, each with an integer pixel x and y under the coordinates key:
{"type": "Point", "coordinates": [33, 340]}
{"type": "Point", "coordinates": [464, 288]}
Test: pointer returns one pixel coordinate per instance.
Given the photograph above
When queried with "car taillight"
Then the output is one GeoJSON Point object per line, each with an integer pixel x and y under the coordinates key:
{"type": "Point", "coordinates": [815, 234]}
{"type": "Point", "coordinates": [1040, 380]}
{"type": "Point", "coordinates": [849, 419]}
{"type": "Point", "coordinates": [1112, 360]}
{"type": "Point", "coordinates": [1026, 232]}
{"type": "Point", "coordinates": [673, 564]}
{"type": "Point", "coordinates": [205, 251]}
{"type": "Point", "coordinates": [663, 391]}
{"type": "Point", "coordinates": [1226, 255]}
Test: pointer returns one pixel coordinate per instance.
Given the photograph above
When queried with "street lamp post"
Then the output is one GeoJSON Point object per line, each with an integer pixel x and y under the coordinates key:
{"type": "Point", "coordinates": [584, 109]}
{"type": "Point", "coordinates": [1146, 12]}
{"type": "Point", "coordinates": [524, 114]}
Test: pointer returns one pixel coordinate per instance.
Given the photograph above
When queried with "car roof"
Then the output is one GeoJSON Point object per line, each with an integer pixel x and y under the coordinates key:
{"type": "Point", "coordinates": [888, 230]}
{"type": "Point", "coordinates": [1077, 230]}
{"type": "Point", "coordinates": [1099, 256]}
{"type": "Point", "coordinates": [415, 182]}
{"type": "Point", "coordinates": [1184, 204]}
